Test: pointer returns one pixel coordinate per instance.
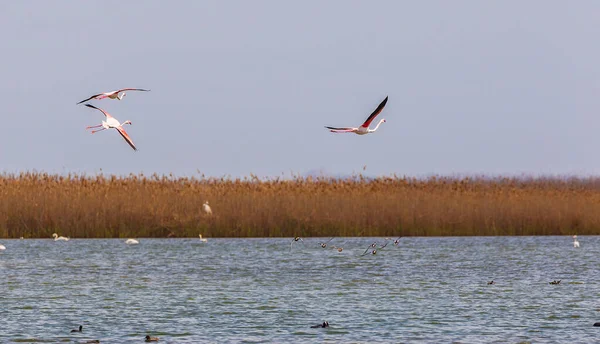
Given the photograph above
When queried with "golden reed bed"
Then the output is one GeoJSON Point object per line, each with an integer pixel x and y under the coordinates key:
{"type": "Point", "coordinates": [38, 204]}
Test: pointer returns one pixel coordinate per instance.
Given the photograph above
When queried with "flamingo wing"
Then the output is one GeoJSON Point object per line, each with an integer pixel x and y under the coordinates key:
{"type": "Point", "coordinates": [334, 128]}
{"type": "Point", "coordinates": [132, 89]}
{"type": "Point", "coordinates": [92, 97]}
{"type": "Point", "coordinates": [104, 112]}
{"type": "Point", "coordinates": [126, 137]}
{"type": "Point", "coordinates": [341, 130]}
{"type": "Point", "coordinates": [375, 113]}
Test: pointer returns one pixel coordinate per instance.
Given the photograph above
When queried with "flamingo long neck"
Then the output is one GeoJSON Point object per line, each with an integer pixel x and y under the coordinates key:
{"type": "Point", "coordinates": [377, 126]}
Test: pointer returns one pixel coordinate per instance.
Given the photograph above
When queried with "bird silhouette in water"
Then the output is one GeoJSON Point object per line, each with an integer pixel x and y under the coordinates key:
{"type": "Point", "coordinates": [151, 339]}
{"type": "Point", "coordinates": [323, 325]}
{"type": "Point", "coordinates": [80, 329]}
{"type": "Point", "coordinates": [491, 282]}
{"type": "Point", "coordinates": [555, 282]}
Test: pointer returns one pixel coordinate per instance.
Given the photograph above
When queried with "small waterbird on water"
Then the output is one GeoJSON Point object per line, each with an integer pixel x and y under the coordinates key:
{"type": "Point", "coordinates": [597, 324]}
{"type": "Point", "coordinates": [2, 247]}
{"type": "Point", "coordinates": [131, 242]}
{"type": "Point", "coordinates": [151, 339]}
{"type": "Point", "coordinates": [118, 94]}
{"type": "Point", "coordinates": [323, 325]}
{"type": "Point", "coordinates": [373, 247]}
{"type": "Point", "coordinates": [59, 238]}
{"type": "Point", "coordinates": [80, 329]}
{"type": "Point", "coordinates": [324, 244]}
{"type": "Point", "coordinates": [491, 282]}
{"type": "Point", "coordinates": [339, 249]}
{"type": "Point", "coordinates": [575, 242]}
{"type": "Point", "coordinates": [206, 208]}
{"type": "Point", "coordinates": [93, 341]}
{"type": "Point", "coordinates": [396, 242]}
{"type": "Point", "coordinates": [294, 240]}
{"type": "Point", "coordinates": [555, 282]}
{"type": "Point", "coordinates": [202, 239]}
{"type": "Point", "coordinates": [364, 128]}
{"type": "Point", "coordinates": [113, 123]}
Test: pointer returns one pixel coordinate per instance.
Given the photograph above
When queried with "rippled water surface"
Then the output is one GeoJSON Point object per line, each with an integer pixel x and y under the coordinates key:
{"type": "Point", "coordinates": [266, 290]}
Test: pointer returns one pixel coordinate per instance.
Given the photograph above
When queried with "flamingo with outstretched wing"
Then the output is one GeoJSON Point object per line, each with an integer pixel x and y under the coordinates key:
{"type": "Point", "coordinates": [118, 94]}
{"type": "Point", "coordinates": [364, 128]}
{"type": "Point", "coordinates": [113, 123]}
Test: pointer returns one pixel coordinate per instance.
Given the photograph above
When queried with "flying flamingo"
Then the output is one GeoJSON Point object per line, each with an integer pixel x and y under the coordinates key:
{"type": "Point", "coordinates": [118, 94]}
{"type": "Point", "coordinates": [112, 122]}
{"type": "Point", "coordinates": [364, 128]}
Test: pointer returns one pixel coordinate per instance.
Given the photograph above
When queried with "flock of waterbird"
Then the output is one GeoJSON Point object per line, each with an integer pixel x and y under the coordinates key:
{"type": "Point", "coordinates": [372, 249]}
{"type": "Point", "coordinates": [96, 341]}
{"type": "Point", "coordinates": [112, 123]}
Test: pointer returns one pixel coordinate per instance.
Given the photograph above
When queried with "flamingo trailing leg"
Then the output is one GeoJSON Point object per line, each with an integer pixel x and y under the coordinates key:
{"type": "Point", "coordinates": [112, 122]}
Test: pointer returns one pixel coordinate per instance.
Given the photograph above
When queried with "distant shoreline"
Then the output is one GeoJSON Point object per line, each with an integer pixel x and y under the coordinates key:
{"type": "Point", "coordinates": [35, 205]}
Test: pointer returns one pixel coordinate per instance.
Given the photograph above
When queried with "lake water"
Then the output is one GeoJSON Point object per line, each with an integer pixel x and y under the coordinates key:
{"type": "Point", "coordinates": [267, 291]}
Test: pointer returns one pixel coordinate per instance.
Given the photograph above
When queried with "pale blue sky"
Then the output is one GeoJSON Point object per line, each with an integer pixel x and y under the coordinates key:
{"type": "Point", "coordinates": [240, 87]}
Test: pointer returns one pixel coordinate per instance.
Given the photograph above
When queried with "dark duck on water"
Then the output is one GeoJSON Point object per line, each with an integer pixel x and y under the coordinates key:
{"type": "Point", "coordinates": [323, 325]}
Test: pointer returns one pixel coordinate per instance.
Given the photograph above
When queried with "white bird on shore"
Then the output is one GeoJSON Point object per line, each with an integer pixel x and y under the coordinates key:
{"type": "Point", "coordinates": [118, 94]}
{"type": "Point", "coordinates": [575, 242]}
{"type": "Point", "coordinates": [364, 128]}
{"type": "Point", "coordinates": [131, 242]}
{"type": "Point", "coordinates": [206, 208]}
{"type": "Point", "coordinates": [202, 239]}
{"type": "Point", "coordinates": [59, 238]}
{"type": "Point", "coordinates": [2, 247]}
{"type": "Point", "coordinates": [112, 122]}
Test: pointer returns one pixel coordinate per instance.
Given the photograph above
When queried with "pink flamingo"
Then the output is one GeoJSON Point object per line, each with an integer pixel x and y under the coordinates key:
{"type": "Point", "coordinates": [364, 128]}
{"type": "Point", "coordinates": [112, 122]}
{"type": "Point", "coordinates": [118, 94]}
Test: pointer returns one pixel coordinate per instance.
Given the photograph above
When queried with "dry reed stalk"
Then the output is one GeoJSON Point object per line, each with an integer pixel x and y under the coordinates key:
{"type": "Point", "coordinates": [79, 206]}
